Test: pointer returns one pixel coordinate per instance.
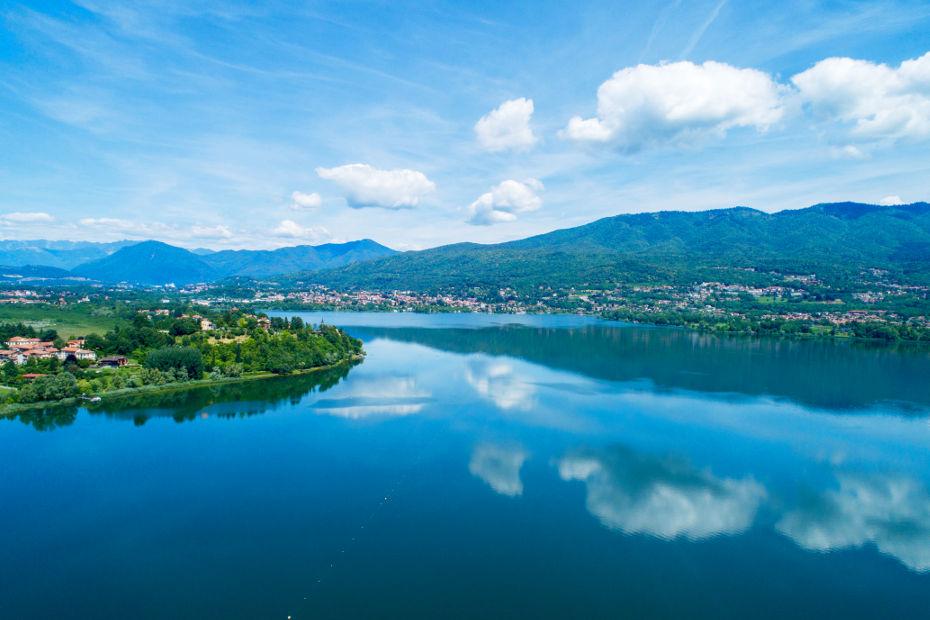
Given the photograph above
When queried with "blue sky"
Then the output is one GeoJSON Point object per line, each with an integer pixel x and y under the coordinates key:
{"type": "Point", "coordinates": [224, 124]}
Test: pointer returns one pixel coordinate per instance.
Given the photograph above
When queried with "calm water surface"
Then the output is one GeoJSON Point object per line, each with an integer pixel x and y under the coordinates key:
{"type": "Point", "coordinates": [470, 466]}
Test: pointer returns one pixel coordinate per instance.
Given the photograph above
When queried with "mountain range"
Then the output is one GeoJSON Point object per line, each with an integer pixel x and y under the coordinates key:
{"type": "Point", "coordinates": [836, 240]}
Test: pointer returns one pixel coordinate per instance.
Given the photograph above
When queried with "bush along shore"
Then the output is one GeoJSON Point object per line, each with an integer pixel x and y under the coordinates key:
{"type": "Point", "coordinates": [164, 349]}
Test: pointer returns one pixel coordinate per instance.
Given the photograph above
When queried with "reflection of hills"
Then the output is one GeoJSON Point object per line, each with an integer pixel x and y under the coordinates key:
{"type": "Point", "coordinates": [226, 400]}
{"type": "Point", "coordinates": [840, 375]}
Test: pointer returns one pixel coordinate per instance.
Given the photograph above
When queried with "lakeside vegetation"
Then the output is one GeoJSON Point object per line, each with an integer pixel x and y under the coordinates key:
{"type": "Point", "coordinates": [165, 348]}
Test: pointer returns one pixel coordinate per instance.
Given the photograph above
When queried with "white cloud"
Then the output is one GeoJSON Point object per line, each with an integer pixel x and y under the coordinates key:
{"type": "Point", "coordinates": [366, 186]}
{"type": "Point", "coordinates": [292, 230]}
{"type": "Point", "coordinates": [679, 102]}
{"type": "Point", "coordinates": [25, 217]}
{"type": "Point", "coordinates": [662, 497]}
{"type": "Point", "coordinates": [889, 201]}
{"type": "Point", "coordinates": [499, 466]}
{"type": "Point", "coordinates": [300, 200]}
{"type": "Point", "coordinates": [877, 101]}
{"type": "Point", "coordinates": [507, 126]}
{"type": "Point", "coordinates": [891, 512]}
{"type": "Point", "coordinates": [504, 202]}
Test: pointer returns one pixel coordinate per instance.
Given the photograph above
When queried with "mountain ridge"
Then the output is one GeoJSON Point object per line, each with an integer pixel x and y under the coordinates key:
{"type": "Point", "coordinates": [833, 238]}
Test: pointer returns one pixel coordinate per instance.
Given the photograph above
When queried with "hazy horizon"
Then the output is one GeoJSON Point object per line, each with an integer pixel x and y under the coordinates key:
{"type": "Point", "coordinates": [195, 247]}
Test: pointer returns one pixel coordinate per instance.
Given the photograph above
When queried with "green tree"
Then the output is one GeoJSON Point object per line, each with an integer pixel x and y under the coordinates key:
{"type": "Point", "coordinates": [187, 359]}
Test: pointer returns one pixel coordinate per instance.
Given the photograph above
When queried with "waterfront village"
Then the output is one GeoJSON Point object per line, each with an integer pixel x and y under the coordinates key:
{"type": "Point", "coordinates": [801, 303]}
{"type": "Point", "coordinates": [874, 305]}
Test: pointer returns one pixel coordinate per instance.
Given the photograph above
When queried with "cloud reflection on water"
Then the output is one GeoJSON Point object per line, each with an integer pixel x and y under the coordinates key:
{"type": "Point", "coordinates": [386, 395]}
{"type": "Point", "coordinates": [662, 497]}
{"type": "Point", "coordinates": [892, 512]}
{"type": "Point", "coordinates": [497, 381]}
{"type": "Point", "coordinates": [499, 466]}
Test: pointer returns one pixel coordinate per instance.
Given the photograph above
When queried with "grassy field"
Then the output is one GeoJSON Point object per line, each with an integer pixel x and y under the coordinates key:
{"type": "Point", "coordinates": [69, 321]}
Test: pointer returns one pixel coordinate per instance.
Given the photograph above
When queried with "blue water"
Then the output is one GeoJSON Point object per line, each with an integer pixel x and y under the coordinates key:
{"type": "Point", "coordinates": [470, 467]}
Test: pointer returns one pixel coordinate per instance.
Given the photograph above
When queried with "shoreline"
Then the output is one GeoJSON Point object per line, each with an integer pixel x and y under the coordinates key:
{"type": "Point", "coordinates": [15, 408]}
{"type": "Point", "coordinates": [600, 317]}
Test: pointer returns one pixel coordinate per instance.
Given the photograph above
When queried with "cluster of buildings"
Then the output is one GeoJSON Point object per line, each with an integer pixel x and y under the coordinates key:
{"type": "Point", "coordinates": [20, 350]}
{"type": "Point", "coordinates": [399, 300]}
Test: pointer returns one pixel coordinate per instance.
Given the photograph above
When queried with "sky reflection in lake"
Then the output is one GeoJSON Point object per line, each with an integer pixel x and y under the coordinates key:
{"type": "Point", "coordinates": [613, 467]}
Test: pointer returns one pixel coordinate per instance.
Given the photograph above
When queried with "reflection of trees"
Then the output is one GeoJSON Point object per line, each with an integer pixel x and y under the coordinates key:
{"type": "Point", "coordinates": [892, 512]}
{"type": "Point", "coordinates": [228, 400]}
{"type": "Point", "coordinates": [663, 497]}
{"type": "Point", "coordinates": [47, 419]}
{"type": "Point", "coordinates": [821, 373]}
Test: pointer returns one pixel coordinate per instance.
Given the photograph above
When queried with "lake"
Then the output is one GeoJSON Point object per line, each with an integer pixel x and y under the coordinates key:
{"type": "Point", "coordinates": [495, 466]}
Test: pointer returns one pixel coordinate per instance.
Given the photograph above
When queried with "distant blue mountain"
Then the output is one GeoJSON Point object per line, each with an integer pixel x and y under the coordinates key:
{"type": "Point", "coordinates": [32, 273]}
{"type": "Point", "coordinates": [149, 262]}
{"type": "Point", "coordinates": [61, 254]}
{"type": "Point", "coordinates": [264, 263]}
{"type": "Point", "coordinates": [154, 262]}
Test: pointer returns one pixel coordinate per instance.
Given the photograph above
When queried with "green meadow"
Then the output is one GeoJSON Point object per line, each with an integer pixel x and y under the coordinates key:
{"type": "Point", "coordinates": [68, 321]}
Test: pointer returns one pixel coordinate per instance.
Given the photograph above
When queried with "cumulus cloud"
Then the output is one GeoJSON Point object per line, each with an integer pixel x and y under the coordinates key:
{"type": "Point", "coordinates": [891, 512]}
{"type": "Point", "coordinates": [292, 230]}
{"type": "Point", "coordinates": [300, 200]}
{"type": "Point", "coordinates": [890, 201]}
{"type": "Point", "coordinates": [665, 498]}
{"type": "Point", "coordinates": [497, 381]}
{"type": "Point", "coordinates": [25, 217]}
{"type": "Point", "coordinates": [499, 466]}
{"type": "Point", "coordinates": [875, 100]}
{"type": "Point", "coordinates": [507, 126]}
{"type": "Point", "coordinates": [367, 186]}
{"type": "Point", "coordinates": [505, 202]}
{"type": "Point", "coordinates": [679, 102]}
{"type": "Point", "coordinates": [387, 395]}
